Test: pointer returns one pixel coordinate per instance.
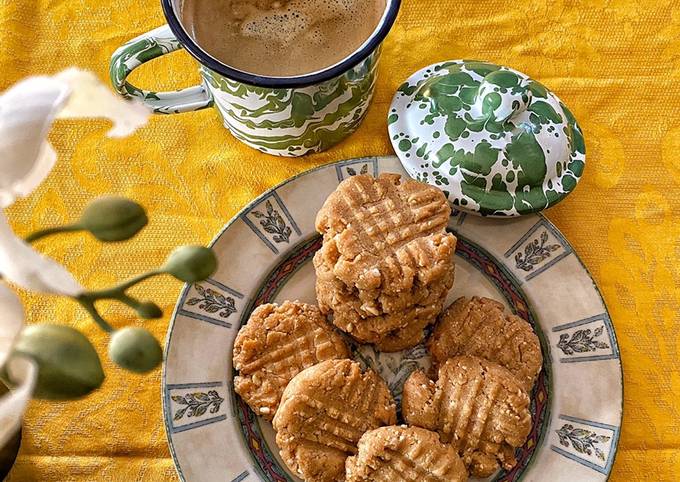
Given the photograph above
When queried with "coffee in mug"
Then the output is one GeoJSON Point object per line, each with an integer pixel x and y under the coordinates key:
{"type": "Point", "coordinates": [281, 37]}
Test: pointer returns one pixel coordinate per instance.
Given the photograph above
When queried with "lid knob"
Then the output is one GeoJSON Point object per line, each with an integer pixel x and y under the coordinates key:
{"type": "Point", "coordinates": [500, 97]}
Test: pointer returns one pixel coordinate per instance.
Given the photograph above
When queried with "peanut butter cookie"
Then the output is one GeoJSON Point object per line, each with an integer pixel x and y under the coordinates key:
{"type": "Point", "coordinates": [404, 454]}
{"type": "Point", "coordinates": [324, 412]}
{"type": "Point", "coordinates": [277, 343]}
{"type": "Point", "coordinates": [480, 327]}
{"type": "Point", "coordinates": [476, 405]}
{"type": "Point", "coordinates": [386, 263]}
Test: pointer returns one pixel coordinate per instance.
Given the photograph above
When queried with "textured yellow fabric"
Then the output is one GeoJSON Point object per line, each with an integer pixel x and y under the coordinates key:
{"type": "Point", "coordinates": [616, 63]}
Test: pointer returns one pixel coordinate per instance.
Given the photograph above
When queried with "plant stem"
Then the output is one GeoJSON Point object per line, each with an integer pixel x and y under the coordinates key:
{"type": "Point", "coordinates": [129, 300]}
{"type": "Point", "coordinates": [88, 298]}
{"type": "Point", "coordinates": [42, 233]}
{"type": "Point", "coordinates": [92, 310]}
{"type": "Point", "coordinates": [138, 279]}
{"type": "Point", "coordinates": [118, 292]}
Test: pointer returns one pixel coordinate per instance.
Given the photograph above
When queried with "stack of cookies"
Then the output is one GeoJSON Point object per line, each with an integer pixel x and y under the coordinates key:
{"type": "Point", "coordinates": [386, 263]}
{"type": "Point", "coordinates": [383, 274]}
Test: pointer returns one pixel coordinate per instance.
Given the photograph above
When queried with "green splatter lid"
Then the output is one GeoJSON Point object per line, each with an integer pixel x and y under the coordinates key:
{"type": "Point", "coordinates": [495, 141]}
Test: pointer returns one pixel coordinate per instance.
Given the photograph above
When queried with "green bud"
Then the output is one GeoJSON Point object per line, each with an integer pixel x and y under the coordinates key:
{"type": "Point", "coordinates": [113, 218]}
{"type": "Point", "coordinates": [191, 263]}
{"type": "Point", "coordinates": [149, 310]}
{"type": "Point", "coordinates": [135, 349]}
{"type": "Point", "coordinates": [68, 365]}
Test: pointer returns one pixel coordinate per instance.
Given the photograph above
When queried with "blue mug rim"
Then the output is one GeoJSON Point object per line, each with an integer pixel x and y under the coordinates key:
{"type": "Point", "coordinates": [331, 72]}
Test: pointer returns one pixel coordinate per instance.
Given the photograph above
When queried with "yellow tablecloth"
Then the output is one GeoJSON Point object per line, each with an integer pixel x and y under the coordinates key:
{"type": "Point", "coordinates": [616, 63]}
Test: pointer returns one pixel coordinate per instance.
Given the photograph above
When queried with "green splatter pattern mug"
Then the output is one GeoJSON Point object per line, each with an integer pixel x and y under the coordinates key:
{"type": "Point", "coordinates": [285, 116]}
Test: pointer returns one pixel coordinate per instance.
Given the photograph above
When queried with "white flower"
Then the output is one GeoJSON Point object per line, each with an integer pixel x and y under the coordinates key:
{"type": "Point", "coordinates": [24, 266]}
{"type": "Point", "coordinates": [23, 372]}
{"type": "Point", "coordinates": [27, 111]}
{"type": "Point", "coordinates": [11, 321]}
{"type": "Point", "coordinates": [91, 98]}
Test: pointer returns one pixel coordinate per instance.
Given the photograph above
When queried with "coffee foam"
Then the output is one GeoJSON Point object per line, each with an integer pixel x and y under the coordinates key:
{"type": "Point", "coordinates": [281, 37]}
{"type": "Point", "coordinates": [284, 21]}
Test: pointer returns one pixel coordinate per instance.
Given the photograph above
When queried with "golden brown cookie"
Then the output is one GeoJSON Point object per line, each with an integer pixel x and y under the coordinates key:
{"type": "Point", "coordinates": [404, 454]}
{"type": "Point", "coordinates": [476, 405]}
{"type": "Point", "coordinates": [392, 321]}
{"type": "Point", "coordinates": [324, 412]}
{"type": "Point", "coordinates": [480, 327]}
{"type": "Point", "coordinates": [386, 263]}
{"type": "Point", "coordinates": [277, 343]}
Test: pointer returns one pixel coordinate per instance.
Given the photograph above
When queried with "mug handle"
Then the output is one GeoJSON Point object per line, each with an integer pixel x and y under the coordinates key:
{"type": "Point", "coordinates": [146, 47]}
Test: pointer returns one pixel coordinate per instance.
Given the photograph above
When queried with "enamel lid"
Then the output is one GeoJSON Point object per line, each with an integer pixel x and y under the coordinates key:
{"type": "Point", "coordinates": [495, 141]}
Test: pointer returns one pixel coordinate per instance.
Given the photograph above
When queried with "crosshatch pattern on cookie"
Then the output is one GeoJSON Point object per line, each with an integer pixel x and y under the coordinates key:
{"type": "Point", "coordinates": [279, 341]}
{"type": "Point", "coordinates": [384, 216]}
{"type": "Point", "coordinates": [386, 263]}
{"type": "Point", "coordinates": [477, 406]}
{"type": "Point", "coordinates": [313, 419]}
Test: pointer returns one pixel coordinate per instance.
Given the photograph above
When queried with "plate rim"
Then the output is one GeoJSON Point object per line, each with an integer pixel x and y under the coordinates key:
{"type": "Point", "coordinates": [267, 192]}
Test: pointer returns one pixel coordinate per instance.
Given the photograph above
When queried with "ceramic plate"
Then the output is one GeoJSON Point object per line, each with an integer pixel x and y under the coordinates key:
{"type": "Point", "coordinates": [265, 255]}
